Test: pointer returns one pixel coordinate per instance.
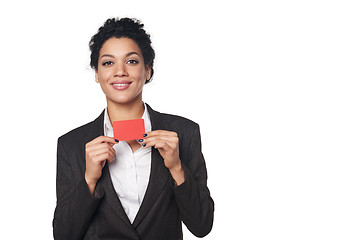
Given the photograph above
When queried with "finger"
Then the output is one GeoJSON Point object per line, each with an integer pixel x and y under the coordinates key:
{"type": "Point", "coordinates": [167, 146]}
{"type": "Point", "coordinates": [172, 140]}
{"type": "Point", "coordinates": [102, 139]}
{"type": "Point", "coordinates": [113, 152]}
{"type": "Point", "coordinates": [102, 157]}
{"type": "Point", "coordinates": [103, 149]}
{"type": "Point", "coordinates": [160, 133]}
{"type": "Point", "coordinates": [99, 146]}
{"type": "Point", "coordinates": [162, 145]}
{"type": "Point", "coordinates": [163, 138]}
{"type": "Point", "coordinates": [149, 144]}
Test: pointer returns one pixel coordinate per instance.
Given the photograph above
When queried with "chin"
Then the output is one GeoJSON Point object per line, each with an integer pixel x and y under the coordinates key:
{"type": "Point", "coordinates": [124, 99]}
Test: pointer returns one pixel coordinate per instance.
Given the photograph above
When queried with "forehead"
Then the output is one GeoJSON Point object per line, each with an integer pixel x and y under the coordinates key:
{"type": "Point", "coordinates": [119, 46]}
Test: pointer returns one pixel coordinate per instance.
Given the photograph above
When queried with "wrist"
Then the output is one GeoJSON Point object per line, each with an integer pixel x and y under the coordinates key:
{"type": "Point", "coordinates": [177, 168]}
{"type": "Point", "coordinates": [177, 173]}
{"type": "Point", "coordinates": [91, 184]}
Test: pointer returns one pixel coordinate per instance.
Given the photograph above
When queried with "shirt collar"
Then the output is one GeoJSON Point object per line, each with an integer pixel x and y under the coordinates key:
{"type": "Point", "coordinates": [108, 130]}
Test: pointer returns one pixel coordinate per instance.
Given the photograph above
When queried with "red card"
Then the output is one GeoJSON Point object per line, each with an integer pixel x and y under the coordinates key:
{"type": "Point", "coordinates": [129, 129]}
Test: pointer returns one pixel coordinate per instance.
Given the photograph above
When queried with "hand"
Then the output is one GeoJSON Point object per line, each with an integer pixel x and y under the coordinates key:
{"type": "Point", "coordinates": [96, 153]}
{"type": "Point", "coordinates": [168, 145]}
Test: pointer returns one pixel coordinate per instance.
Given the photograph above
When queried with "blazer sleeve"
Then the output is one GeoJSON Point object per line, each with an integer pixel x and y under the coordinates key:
{"type": "Point", "coordinates": [192, 196]}
{"type": "Point", "coordinates": [75, 205]}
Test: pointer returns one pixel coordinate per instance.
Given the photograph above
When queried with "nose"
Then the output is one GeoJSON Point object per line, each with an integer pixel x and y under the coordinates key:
{"type": "Point", "coordinates": [120, 70]}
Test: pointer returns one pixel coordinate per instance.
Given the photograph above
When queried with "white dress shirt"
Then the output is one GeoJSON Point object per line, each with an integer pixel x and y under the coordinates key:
{"type": "Point", "coordinates": [130, 171]}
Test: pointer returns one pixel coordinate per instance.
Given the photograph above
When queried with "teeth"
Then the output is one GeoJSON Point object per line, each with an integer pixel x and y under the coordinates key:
{"type": "Point", "coordinates": [120, 84]}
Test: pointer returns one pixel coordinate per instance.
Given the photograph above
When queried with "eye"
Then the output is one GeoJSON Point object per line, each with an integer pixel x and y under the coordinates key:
{"type": "Point", "coordinates": [132, 61]}
{"type": "Point", "coordinates": [107, 63]}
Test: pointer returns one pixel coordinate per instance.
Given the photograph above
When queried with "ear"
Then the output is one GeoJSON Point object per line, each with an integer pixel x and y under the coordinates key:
{"type": "Point", "coordinates": [97, 76]}
{"type": "Point", "coordinates": [148, 72]}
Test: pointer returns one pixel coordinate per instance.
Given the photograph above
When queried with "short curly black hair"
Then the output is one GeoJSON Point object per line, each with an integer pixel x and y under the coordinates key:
{"type": "Point", "coordinates": [124, 27]}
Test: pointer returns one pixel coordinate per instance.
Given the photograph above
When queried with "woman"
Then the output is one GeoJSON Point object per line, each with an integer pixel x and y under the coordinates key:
{"type": "Point", "coordinates": [141, 189]}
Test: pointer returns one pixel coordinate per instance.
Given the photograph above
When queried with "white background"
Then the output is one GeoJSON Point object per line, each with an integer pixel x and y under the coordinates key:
{"type": "Point", "coordinates": [274, 86]}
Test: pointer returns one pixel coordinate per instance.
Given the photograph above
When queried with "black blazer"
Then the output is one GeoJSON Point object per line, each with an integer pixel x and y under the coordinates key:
{"type": "Point", "coordinates": [80, 215]}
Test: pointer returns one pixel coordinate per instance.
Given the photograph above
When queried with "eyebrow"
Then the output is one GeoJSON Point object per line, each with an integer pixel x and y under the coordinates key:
{"type": "Point", "coordinates": [127, 55]}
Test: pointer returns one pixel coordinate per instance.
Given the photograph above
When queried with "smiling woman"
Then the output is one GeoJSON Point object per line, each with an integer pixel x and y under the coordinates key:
{"type": "Point", "coordinates": [121, 67]}
{"type": "Point", "coordinates": [123, 28]}
{"type": "Point", "coordinates": [135, 189]}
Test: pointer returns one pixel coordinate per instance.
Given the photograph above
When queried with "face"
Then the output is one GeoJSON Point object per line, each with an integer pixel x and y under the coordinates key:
{"type": "Point", "coordinates": [121, 71]}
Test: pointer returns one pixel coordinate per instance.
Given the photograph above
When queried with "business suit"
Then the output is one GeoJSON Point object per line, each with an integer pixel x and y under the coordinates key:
{"type": "Point", "coordinates": [80, 215]}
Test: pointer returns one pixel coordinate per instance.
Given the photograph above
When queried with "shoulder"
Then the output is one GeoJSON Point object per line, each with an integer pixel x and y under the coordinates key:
{"type": "Point", "coordinates": [178, 121]}
{"type": "Point", "coordinates": [84, 133]}
{"type": "Point", "coordinates": [76, 132]}
{"type": "Point", "coordinates": [171, 122]}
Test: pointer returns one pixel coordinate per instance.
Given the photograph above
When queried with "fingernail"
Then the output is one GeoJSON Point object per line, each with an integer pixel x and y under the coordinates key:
{"type": "Point", "coordinates": [141, 140]}
{"type": "Point", "coordinates": [145, 134]}
{"type": "Point", "coordinates": [116, 140]}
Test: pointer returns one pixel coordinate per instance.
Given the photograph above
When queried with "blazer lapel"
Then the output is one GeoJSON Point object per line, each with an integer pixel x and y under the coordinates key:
{"type": "Point", "coordinates": [159, 174]}
{"type": "Point", "coordinates": [105, 180]}
{"type": "Point", "coordinates": [112, 197]}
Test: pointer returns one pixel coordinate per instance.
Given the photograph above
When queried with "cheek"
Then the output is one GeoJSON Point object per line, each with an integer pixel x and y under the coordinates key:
{"type": "Point", "coordinates": [103, 76]}
{"type": "Point", "coordinates": [103, 80]}
{"type": "Point", "coordinates": [139, 75]}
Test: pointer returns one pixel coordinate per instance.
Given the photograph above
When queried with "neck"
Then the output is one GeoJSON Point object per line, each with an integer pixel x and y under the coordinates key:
{"type": "Point", "coordinates": [126, 111]}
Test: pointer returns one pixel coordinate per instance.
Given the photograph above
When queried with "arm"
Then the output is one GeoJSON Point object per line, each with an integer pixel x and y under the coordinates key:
{"type": "Point", "coordinates": [75, 204]}
{"type": "Point", "coordinates": [191, 193]}
{"type": "Point", "coordinates": [193, 197]}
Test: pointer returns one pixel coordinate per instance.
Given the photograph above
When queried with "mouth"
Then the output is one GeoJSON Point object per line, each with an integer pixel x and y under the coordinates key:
{"type": "Point", "coordinates": [121, 85]}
